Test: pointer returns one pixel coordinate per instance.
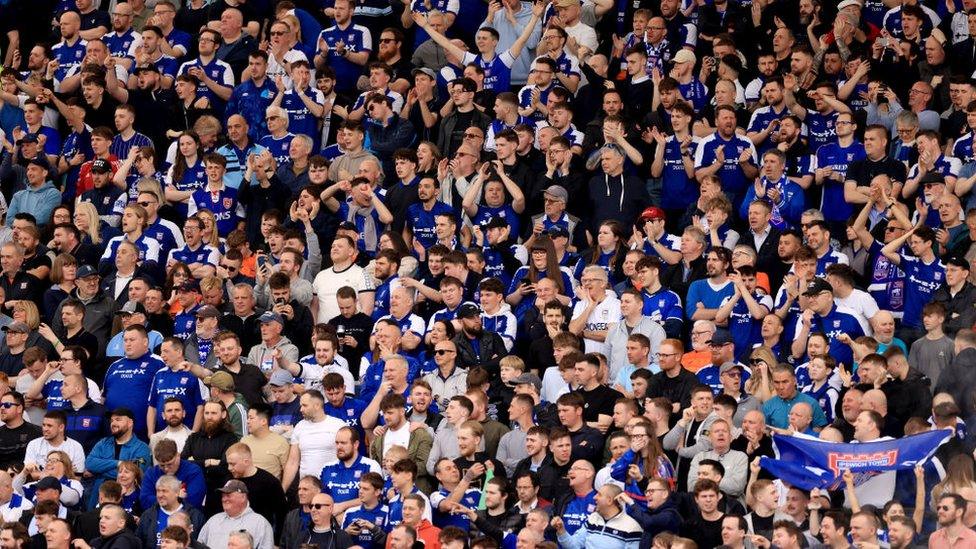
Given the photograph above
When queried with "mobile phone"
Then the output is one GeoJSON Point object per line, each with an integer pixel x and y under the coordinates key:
{"type": "Point", "coordinates": [262, 260]}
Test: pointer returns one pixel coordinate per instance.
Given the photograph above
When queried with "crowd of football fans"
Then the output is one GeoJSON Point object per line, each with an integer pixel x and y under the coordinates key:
{"type": "Point", "coordinates": [465, 274]}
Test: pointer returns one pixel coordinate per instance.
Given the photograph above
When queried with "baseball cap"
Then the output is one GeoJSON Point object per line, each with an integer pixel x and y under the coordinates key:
{"type": "Point", "coordinates": [958, 261]}
{"type": "Point", "coordinates": [28, 138]}
{"type": "Point", "coordinates": [232, 486]}
{"type": "Point", "coordinates": [17, 327]}
{"type": "Point", "coordinates": [557, 230]}
{"type": "Point", "coordinates": [190, 285]}
{"type": "Point", "coordinates": [846, 3]}
{"type": "Point", "coordinates": [684, 56]}
{"type": "Point", "coordinates": [220, 380]}
{"type": "Point", "coordinates": [651, 213]}
{"type": "Point", "coordinates": [208, 311]}
{"type": "Point", "coordinates": [281, 378]}
{"type": "Point", "coordinates": [131, 307]}
{"type": "Point", "coordinates": [100, 165]}
{"type": "Point", "coordinates": [818, 285]}
{"type": "Point", "coordinates": [557, 192]}
{"type": "Point", "coordinates": [48, 483]}
{"type": "Point", "coordinates": [469, 310]}
{"type": "Point", "coordinates": [122, 412]}
{"type": "Point", "coordinates": [725, 367]}
{"type": "Point", "coordinates": [424, 70]}
{"type": "Point", "coordinates": [721, 337]}
{"type": "Point", "coordinates": [85, 271]}
{"type": "Point", "coordinates": [271, 316]}
{"type": "Point", "coordinates": [526, 379]}
{"type": "Point", "coordinates": [496, 222]}
{"type": "Point", "coordinates": [932, 178]}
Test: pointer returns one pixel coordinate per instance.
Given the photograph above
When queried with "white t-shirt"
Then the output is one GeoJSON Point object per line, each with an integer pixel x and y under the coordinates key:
{"type": "Point", "coordinates": [603, 317]}
{"type": "Point", "coordinates": [861, 303]}
{"type": "Point", "coordinates": [317, 444]}
{"type": "Point", "coordinates": [39, 448]}
{"type": "Point", "coordinates": [328, 282]}
{"type": "Point", "coordinates": [399, 437]}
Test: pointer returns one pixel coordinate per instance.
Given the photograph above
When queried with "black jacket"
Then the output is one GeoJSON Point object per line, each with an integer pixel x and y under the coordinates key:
{"type": "Point", "coordinates": [492, 349]}
{"type": "Point", "coordinates": [959, 380]}
{"type": "Point", "coordinates": [552, 476]}
{"type": "Point", "coordinates": [199, 448]}
{"type": "Point", "coordinates": [121, 540]}
{"type": "Point", "coordinates": [620, 197]}
{"type": "Point", "coordinates": [960, 308]}
{"type": "Point", "coordinates": [147, 523]}
{"type": "Point", "coordinates": [767, 254]}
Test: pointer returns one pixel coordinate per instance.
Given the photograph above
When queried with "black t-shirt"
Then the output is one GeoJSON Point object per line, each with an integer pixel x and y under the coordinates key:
{"type": "Point", "coordinates": [706, 533]}
{"type": "Point", "coordinates": [358, 326]}
{"type": "Point", "coordinates": [13, 443]}
{"type": "Point", "coordinates": [598, 401]}
{"type": "Point", "coordinates": [762, 526]}
{"type": "Point", "coordinates": [95, 19]}
{"type": "Point", "coordinates": [864, 170]}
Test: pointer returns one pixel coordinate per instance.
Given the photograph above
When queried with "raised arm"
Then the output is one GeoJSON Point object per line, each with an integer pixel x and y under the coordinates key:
{"type": "Point", "coordinates": [421, 20]}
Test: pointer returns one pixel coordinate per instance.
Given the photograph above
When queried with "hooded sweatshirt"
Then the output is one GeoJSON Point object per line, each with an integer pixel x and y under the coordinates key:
{"type": "Point", "coordinates": [39, 201]}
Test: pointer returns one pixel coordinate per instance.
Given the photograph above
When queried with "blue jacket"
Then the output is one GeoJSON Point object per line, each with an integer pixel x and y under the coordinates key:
{"type": "Point", "coordinates": [40, 202]}
{"type": "Point", "coordinates": [189, 473]}
{"type": "Point", "coordinates": [101, 462]}
{"type": "Point", "coordinates": [654, 521]}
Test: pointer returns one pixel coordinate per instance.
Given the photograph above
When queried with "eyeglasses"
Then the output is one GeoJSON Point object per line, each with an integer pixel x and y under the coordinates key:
{"type": "Point", "coordinates": [905, 130]}
{"type": "Point", "coordinates": [733, 373]}
{"type": "Point", "coordinates": [387, 40]}
{"type": "Point", "coordinates": [318, 505]}
{"type": "Point", "coordinates": [441, 352]}
{"type": "Point", "coordinates": [277, 33]}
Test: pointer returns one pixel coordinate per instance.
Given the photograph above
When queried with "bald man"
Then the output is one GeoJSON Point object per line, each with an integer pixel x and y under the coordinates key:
{"type": "Point", "coordinates": [12, 505]}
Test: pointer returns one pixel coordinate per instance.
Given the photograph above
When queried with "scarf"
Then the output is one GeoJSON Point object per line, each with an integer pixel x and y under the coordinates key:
{"type": "Point", "coordinates": [776, 217]}
{"type": "Point", "coordinates": [368, 234]}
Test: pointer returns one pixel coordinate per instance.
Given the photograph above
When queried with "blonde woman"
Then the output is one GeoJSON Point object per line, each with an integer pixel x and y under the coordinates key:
{"type": "Point", "coordinates": [57, 469]}
{"type": "Point", "coordinates": [760, 383]}
{"type": "Point", "coordinates": [88, 223]}
{"type": "Point", "coordinates": [209, 232]}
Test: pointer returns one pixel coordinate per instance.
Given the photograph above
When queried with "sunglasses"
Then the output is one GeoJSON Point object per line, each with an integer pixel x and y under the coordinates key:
{"type": "Point", "coordinates": [277, 33]}
{"type": "Point", "coordinates": [7, 405]}
{"type": "Point", "coordinates": [229, 268]}
{"type": "Point", "coordinates": [443, 351]}
{"type": "Point", "coordinates": [318, 505]}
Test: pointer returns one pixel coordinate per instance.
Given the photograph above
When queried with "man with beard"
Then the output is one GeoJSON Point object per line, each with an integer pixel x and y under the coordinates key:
{"type": "Point", "coordinates": [207, 448]}
{"type": "Point", "coordinates": [475, 346]}
{"type": "Point", "coordinates": [340, 478]}
{"type": "Point", "coordinates": [103, 460]}
{"type": "Point", "coordinates": [313, 441]}
{"type": "Point", "coordinates": [176, 429]}
{"type": "Point", "coordinates": [16, 433]}
{"type": "Point", "coordinates": [246, 379]}
{"type": "Point", "coordinates": [174, 384]}
{"type": "Point", "coordinates": [271, 505]}
{"type": "Point", "coordinates": [112, 531]}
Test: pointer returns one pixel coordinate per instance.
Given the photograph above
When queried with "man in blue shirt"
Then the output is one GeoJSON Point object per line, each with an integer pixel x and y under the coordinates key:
{"type": "Point", "coordinates": [820, 122]}
{"type": "Point", "coordinates": [251, 98]}
{"type": "Point", "coordinates": [822, 315]}
{"type": "Point", "coordinates": [924, 274]}
{"type": "Point", "coordinates": [727, 155]}
{"type": "Point", "coordinates": [340, 478]}
{"type": "Point", "coordinates": [777, 409]}
{"type": "Point", "coordinates": [706, 296]}
{"type": "Point", "coordinates": [345, 47]}
{"type": "Point", "coordinates": [128, 379]}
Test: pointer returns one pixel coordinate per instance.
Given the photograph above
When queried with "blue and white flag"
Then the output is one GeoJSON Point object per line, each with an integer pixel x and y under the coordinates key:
{"type": "Point", "coordinates": [811, 463]}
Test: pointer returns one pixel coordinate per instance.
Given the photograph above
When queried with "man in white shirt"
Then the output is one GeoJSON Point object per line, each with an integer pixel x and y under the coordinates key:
{"type": "Point", "coordinates": [597, 312]}
{"type": "Point", "coordinates": [312, 441]}
{"type": "Point", "coordinates": [52, 438]}
{"type": "Point", "coordinates": [343, 272]}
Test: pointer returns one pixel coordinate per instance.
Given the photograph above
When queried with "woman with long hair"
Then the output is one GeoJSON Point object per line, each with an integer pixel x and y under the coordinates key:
{"type": "Point", "coordinates": [209, 231]}
{"type": "Point", "coordinates": [93, 230]}
{"type": "Point", "coordinates": [64, 271]}
{"type": "Point", "coordinates": [60, 215]}
{"type": "Point", "coordinates": [543, 263]}
{"type": "Point", "coordinates": [643, 461]}
{"type": "Point", "coordinates": [428, 157]}
{"type": "Point", "coordinates": [178, 273]}
{"type": "Point", "coordinates": [760, 383]}
{"type": "Point", "coordinates": [959, 474]}
{"type": "Point", "coordinates": [610, 250]}
{"type": "Point", "coordinates": [187, 173]}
